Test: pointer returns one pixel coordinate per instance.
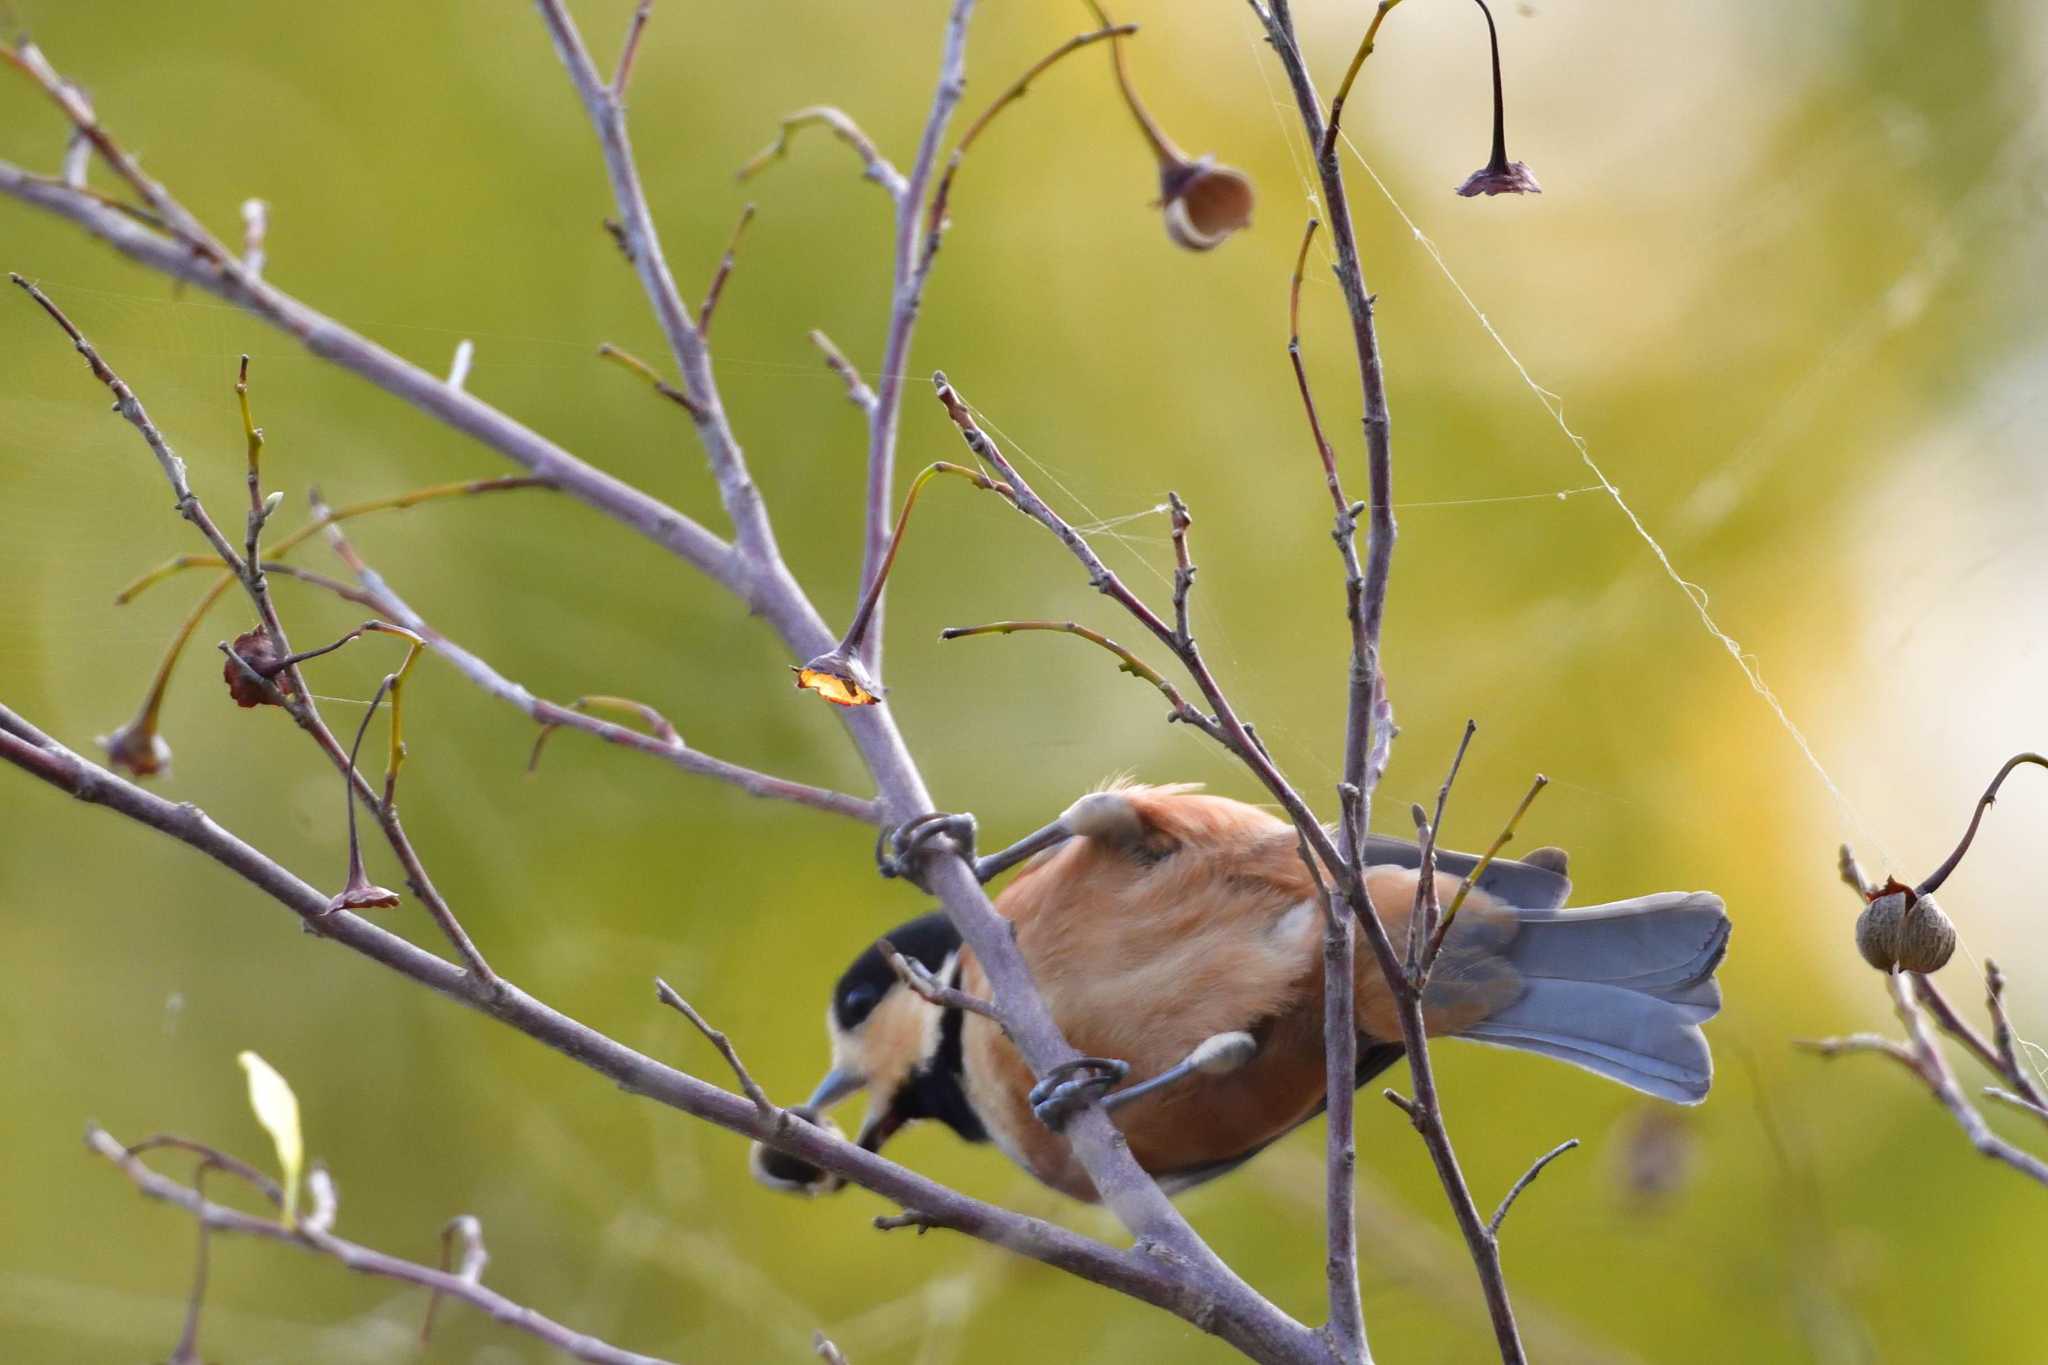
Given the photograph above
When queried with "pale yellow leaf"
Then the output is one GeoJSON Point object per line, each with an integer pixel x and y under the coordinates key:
{"type": "Point", "coordinates": [277, 1109]}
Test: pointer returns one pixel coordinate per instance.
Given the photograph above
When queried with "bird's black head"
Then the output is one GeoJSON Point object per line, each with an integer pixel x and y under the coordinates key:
{"type": "Point", "coordinates": [930, 940]}
{"type": "Point", "coordinates": [895, 1044]}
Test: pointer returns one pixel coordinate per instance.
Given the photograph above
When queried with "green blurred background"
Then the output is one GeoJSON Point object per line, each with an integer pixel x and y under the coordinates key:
{"type": "Point", "coordinates": [1787, 278]}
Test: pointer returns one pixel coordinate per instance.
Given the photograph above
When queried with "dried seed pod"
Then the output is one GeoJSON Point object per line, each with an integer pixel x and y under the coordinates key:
{"type": "Point", "coordinates": [255, 649]}
{"type": "Point", "coordinates": [1204, 202]}
{"type": "Point", "coordinates": [792, 1174]}
{"type": "Point", "coordinates": [1926, 939]}
{"type": "Point", "coordinates": [1902, 931]}
{"type": "Point", "coordinates": [137, 747]}
{"type": "Point", "coordinates": [1877, 929]}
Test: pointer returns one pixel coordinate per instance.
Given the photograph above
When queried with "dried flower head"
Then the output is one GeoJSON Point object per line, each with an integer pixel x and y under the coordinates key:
{"type": "Point", "coordinates": [1506, 177]}
{"type": "Point", "coordinates": [839, 678]}
{"type": "Point", "coordinates": [792, 1174]}
{"type": "Point", "coordinates": [137, 747]}
{"type": "Point", "coordinates": [1499, 175]}
{"type": "Point", "coordinates": [254, 649]}
{"type": "Point", "coordinates": [362, 894]}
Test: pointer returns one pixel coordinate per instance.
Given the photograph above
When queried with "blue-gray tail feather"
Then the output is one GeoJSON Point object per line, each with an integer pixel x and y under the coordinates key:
{"type": "Point", "coordinates": [1620, 989]}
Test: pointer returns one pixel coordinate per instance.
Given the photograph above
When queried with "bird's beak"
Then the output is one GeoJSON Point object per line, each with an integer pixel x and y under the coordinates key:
{"type": "Point", "coordinates": [839, 1082]}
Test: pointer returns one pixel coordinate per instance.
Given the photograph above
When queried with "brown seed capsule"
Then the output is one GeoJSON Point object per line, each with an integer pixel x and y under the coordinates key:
{"type": "Point", "coordinates": [1927, 940]}
{"type": "Point", "coordinates": [255, 649]}
{"type": "Point", "coordinates": [137, 747]}
{"type": "Point", "coordinates": [1204, 202]}
{"type": "Point", "coordinates": [792, 1174]}
{"type": "Point", "coordinates": [1899, 931]}
{"type": "Point", "coordinates": [1877, 930]}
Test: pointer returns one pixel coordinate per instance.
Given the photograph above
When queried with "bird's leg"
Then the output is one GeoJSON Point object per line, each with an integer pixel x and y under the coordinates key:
{"type": "Point", "coordinates": [1214, 1056]}
{"type": "Point", "coordinates": [900, 849]}
{"type": "Point", "coordinates": [1066, 1089]}
{"type": "Point", "coordinates": [995, 864]}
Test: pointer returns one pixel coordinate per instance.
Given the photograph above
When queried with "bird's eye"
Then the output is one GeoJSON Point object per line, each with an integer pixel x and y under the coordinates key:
{"type": "Point", "coordinates": [857, 1001]}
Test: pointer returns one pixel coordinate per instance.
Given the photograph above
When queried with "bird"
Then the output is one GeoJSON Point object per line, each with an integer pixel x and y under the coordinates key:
{"type": "Point", "coordinates": [1176, 938]}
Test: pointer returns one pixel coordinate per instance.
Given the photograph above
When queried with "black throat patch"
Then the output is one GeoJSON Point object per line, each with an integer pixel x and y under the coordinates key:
{"type": "Point", "coordinates": [936, 1091]}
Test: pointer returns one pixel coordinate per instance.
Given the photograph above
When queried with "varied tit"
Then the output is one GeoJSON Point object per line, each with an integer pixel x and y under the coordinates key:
{"type": "Point", "coordinates": [1177, 938]}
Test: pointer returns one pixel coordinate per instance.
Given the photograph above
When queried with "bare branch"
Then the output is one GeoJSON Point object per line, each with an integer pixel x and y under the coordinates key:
{"type": "Point", "coordinates": [910, 267]}
{"type": "Point", "coordinates": [1127, 661]}
{"type": "Point", "coordinates": [362, 1259]}
{"type": "Point", "coordinates": [1920, 1055]}
{"type": "Point", "coordinates": [918, 977]}
{"type": "Point", "coordinates": [1914, 997]}
{"type": "Point", "coordinates": [2017, 1102]}
{"type": "Point", "coordinates": [723, 273]}
{"type": "Point", "coordinates": [1528, 1178]}
{"type": "Point", "coordinates": [935, 216]}
{"type": "Point", "coordinates": [474, 1258]}
{"type": "Point", "coordinates": [630, 49]}
{"type": "Point", "coordinates": [857, 388]}
{"type": "Point", "coordinates": [328, 339]}
{"type": "Point", "coordinates": [1210, 1303]}
{"type": "Point", "coordinates": [875, 166]}
{"type": "Point", "coordinates": [379, 596]}
{"type": "Point", "coordinates": [1934, 879]}
{"type": "Point", "coordinates": [667, 995]}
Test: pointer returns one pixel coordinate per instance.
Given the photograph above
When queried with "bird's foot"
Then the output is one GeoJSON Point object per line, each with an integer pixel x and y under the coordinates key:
{"type": "Point", "coordinates": [901, 850]}
{"type": "Point", "coordinates": [1071, 1086]}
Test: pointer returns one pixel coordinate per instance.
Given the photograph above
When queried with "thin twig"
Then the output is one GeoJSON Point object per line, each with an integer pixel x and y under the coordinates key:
{"type": "Point", "coordinates": [630, 49]}
{"type": "Point", "coordinates": [935, 216]}
{"type": "Point", "coordinates": [723, 273]}
{"type": "Point", "coordinates": [474, 1258]}
{"type": "Point", "coordinates": [1506, 837]}
{"type": "Point", "coordinates": [186, 1352]}
{"type": "Point", "coordinates": [667, 995]}
{"type": "Point", "coordinates": [171, 241]}
{"type": "Point", "coordinates": [626, 360]}
{"type": "Point", "coordinates": [2002, 1037]}
{"type": "Point", "coordinates": [2016, 1101]}
{"type": "Point", "coordinates": [874, 165]}
{"type": "Point", "coordinates": [910, 268]}
{"type": "Point", "coordinates": [1365, 49]}
{"type": "Point", "coordinates": [1934, 879]}
{"type": "Point", "coordinates": [1127, 661]}
{"type": "Point", "coordinates": [1921, 1056]}
{"type": "Point", "coordinates": [362, 1259]}
{"type": "Point", "coordinates": [1184, 567]}
{"type": "Point", "coordinates": [1528, 1178]}
{"type": "Point", "coordinates": [379, 596]}
{"type": "Point", "coordinates": [1421, 928]}
{"type": "Point", "coordinates": [1134, 1272]}
{"type": "Point", "coordinates": [918, 977]}
{"type": "Point", "coordinates": [857, 389]}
